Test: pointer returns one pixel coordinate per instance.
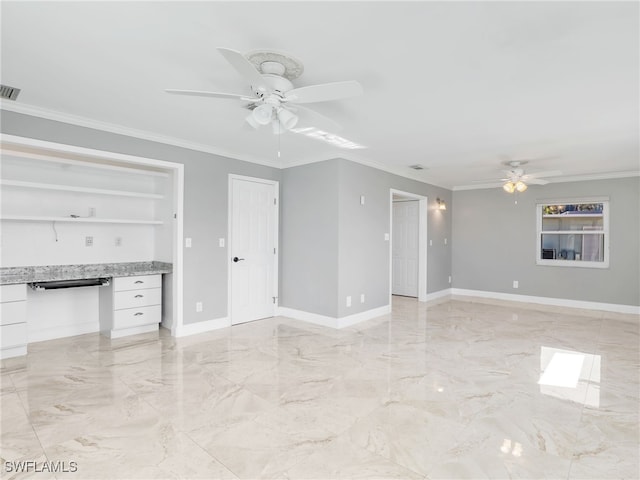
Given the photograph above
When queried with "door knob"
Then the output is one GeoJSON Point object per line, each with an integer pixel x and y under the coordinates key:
{"type": "Point", "coordinates": [236, 259]}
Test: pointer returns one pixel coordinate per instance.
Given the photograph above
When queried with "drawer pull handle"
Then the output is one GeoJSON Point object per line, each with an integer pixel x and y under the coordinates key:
{"type": "Point", "coordinates": [138, 296]}
{"type": "Point", "coordinates": [138, 281]}
{"type": "Point", "coordinates": [138, 314]}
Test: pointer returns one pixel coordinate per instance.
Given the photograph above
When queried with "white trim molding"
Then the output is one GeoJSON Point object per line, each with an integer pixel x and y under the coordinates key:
{"type": "Point", "coordinates": [439, 295]}
{"type": "Point", "coordinates": [79, 121]}
{"type": "Point", "coordinates": [202, 327]}
{"type": "Point", "coordinates": [333, 322]}
{"type": "Point", "coordinates": [555, 302]}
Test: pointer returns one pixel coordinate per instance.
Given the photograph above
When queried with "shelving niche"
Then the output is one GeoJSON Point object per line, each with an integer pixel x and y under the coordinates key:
{"type": "Point", "coordinates": [51, 205]}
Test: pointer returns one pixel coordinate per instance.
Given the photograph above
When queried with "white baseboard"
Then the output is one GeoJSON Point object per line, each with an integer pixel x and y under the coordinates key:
{"type": "Point", "coordinates": [13, 352]}
{"type": "Point", "coordinates": [333, 322]}
{"type": "Point", "coordinates": [43, 334]}
{"type": "Point", "coordinates": [201, 327]}
{"type": "Point", "coordinates": [440, 294]}
{"type": "Point", "coordinates": [556, 302]}
{"type": "Point", "coordinates": [126, 332]}
{"type": "Point", "coordinates": [363, 316]}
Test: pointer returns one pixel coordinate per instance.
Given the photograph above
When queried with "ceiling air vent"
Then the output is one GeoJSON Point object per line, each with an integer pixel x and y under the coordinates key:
{"type": "Point", "coordinates": [416, 167]}
{"type": "Point", "coordinates": [10, 93]}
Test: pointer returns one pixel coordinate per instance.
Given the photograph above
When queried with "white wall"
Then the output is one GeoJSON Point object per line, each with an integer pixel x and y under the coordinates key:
{"type": "Point", "coordinates": [58, 243]}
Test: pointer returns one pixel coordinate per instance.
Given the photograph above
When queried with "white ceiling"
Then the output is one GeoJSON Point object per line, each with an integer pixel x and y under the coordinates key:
{"type": "Point", "coordinates": [457, 87]}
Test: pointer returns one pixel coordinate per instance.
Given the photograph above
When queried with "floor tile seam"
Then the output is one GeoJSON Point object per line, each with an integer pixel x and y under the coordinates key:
{"type": "Point", "coordinates": [13, 384]}
{"type": "Point", "coordinates": [583, 408]}
{"type": "Point", "coordinates": [389, 459]}
{"type": "Point", "coordinates": [188, 435]}
{"type": "Point", "coordinates": [32, 427]}
{"type": "Point", "coordinates": [386, 459]}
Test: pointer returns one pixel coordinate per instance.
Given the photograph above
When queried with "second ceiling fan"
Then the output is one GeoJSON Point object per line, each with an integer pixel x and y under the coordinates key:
{"type": "Point", "coordinates": [273, 99]}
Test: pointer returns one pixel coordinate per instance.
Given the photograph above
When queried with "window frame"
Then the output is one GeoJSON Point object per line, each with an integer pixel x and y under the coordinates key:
{"type": "Point", "coordinates": [540, 204]}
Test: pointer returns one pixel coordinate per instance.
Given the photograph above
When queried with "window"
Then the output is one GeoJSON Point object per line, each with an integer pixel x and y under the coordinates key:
{"type": "Point", "coordinates": [573, 233]}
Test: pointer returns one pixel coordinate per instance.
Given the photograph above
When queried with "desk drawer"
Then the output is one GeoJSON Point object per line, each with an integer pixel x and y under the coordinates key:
{"type": "Point", "coordinates": [13, 312]}
{"type": "Point", "coordinates": [137, 282]}
{"type": "Point", "coordinates": [137, 298]}
{"type": "Point", "coordinates": [13, 335]}
{"type": "Point", "coordinates": [134, 317]}
{"type": "Point", "coordinates": [13, 293]}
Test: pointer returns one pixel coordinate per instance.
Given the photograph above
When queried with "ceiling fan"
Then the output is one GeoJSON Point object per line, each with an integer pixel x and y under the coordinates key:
{"type": "Point", "coordinates": [273, 99]}
{"type": "Point", "coordinates": [516, 179]}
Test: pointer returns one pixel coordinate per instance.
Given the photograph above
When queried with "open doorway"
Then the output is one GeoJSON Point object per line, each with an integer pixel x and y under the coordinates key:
{"type": "Point", "coordinates": [407, 249]}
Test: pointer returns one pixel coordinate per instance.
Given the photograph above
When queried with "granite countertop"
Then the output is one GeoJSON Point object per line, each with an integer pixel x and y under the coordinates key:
{"type": "Point", "coordinates": [47, 273]}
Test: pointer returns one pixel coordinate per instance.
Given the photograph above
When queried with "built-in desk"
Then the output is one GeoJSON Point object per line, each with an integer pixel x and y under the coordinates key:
{"type": "Point", "coordinates": [134, 289]}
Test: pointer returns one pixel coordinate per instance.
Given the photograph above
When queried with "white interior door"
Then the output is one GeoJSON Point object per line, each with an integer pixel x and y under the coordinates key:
{"type": "Point", "coordinates": [252, 248]}
{"type": "Point", "coordinates": [405, 248]}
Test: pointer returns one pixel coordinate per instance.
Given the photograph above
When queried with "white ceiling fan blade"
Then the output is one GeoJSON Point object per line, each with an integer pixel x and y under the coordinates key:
{"type": "Point", "coordinates": [245, 68]}
{"type": "Point", "coordinates": [490, 180]}
{"type": "Point", "coordinates": [536, 181]}
{"type": "Point", "coordinates": [318, 120]}
{"type": "Point", "coordinates": [324, 92]}
{"type": "Point", "coordinates": [549, 173]}
{"type": "Point", "coordinates": [200, 93]}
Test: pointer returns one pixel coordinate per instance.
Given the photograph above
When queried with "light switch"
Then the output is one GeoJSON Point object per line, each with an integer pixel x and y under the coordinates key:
{"type": "Point", "coordinates": [187, 242]}
{"type": "Point", "coordinates": [361, 199]}
{"type": "Point", "coordinates": [221, 242]}
{"type": "Point", "coordinates": [431, 243]}
{"type": "Point", "coordinates": [386, 237]}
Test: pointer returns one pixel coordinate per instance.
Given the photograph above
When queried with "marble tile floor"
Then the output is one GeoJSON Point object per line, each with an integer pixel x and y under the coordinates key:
{"type": "Point", "coordinates": [455, 390]}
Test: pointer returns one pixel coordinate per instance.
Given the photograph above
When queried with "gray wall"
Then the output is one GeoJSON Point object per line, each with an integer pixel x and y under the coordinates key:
{"type": "Point", "coordinates": [309, 238]}
{"type": "Point", "coordinates": [363, 252]}
{"type": "Point", "coordinates": [495, 243]}
{"type": "Point", "coordinates": [333, 247]}
{"type": "Point", "coordinates": [205, 201]}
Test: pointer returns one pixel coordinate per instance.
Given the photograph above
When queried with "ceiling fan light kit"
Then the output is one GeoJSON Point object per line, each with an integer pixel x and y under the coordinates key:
{"type": "Point", "coordinates": [518, 186]}
{"type": "Point", "coordinates": [269, 76]}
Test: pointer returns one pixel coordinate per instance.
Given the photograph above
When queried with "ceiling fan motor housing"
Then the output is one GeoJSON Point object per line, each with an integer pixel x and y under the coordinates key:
{"type": "Point", "coordinates": [276, 82]}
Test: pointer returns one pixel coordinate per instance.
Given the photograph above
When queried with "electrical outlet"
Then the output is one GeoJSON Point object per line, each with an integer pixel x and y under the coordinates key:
{"type": "Point", "coordinates": [449, 278]}
{"type": "Point", "coordinates": [118, 241]}
{"type": "Point", "coordinates": [445, 241]}
{"type": "Point", "coordinates": [88, 241]}
{"type": "Point", "coordinates": [361, 199]}
{"type": "Point", "coordinates": [362, 298]}
{"type": "Point", "coordinates": [92, 211]}
{"type": "Point", "coordinates": [348, 301]}
{"type": "Point", "coordinates": [515, 284]}
{"type": "Point", "coordinates": [198, 306]}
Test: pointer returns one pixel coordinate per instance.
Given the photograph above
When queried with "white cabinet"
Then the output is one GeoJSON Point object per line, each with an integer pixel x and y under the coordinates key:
{"type": "Point", "coordinates": [131, 305]}
{"type": "Point", "coordinates": [13, 320]}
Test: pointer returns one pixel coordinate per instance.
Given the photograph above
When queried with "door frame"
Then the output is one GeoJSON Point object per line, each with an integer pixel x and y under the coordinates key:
{"type": "Point", "coordinates": [276, 227]}
{"type": "Point", "coordinates": [422, 241]}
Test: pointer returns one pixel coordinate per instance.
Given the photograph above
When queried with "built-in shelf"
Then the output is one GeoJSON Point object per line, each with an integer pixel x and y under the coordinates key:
{"type": "Point", "coordinates": [27, 218]}
{"type": "Point", "coordinates": [576, 232]}
{"type": "Point", "coordinates": [573, 215]}
{"type": "Point", "coordinates": [69, 188]}
{"type": "Point", "coordinates": [82, 161]}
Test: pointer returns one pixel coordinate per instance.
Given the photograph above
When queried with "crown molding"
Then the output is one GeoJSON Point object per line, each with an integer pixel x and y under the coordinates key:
{"type": "Point", "coordinates": [79, 121]}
